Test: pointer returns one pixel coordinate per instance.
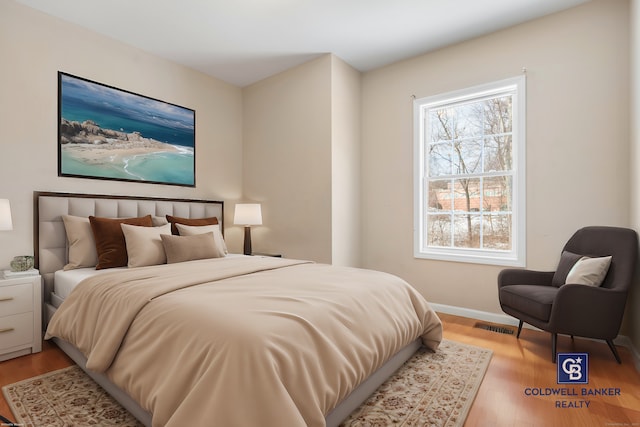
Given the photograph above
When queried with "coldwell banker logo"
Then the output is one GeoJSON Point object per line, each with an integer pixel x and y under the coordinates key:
{"type": "Point", "coordinates": [573, 368]}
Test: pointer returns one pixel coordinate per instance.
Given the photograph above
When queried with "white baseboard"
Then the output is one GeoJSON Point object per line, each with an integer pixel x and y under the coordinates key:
{"type": "Point", "coordinates": [505, 319]}
{"type": "Point", "coordinates": [624, 341]}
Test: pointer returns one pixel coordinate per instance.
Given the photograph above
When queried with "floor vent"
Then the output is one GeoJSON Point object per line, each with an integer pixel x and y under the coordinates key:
{"type": "Point", "coordinates": [493, 328]}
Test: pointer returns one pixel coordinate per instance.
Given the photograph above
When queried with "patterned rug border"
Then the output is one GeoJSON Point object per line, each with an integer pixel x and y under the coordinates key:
{"type": "Point", "coordinates": [358, 418]}
{"type": "Point", "coordinates": [483, 365]}
{"type": "Point", "coordinates": [41, 376]}
{"type": "Point", "coordinates": [373, 412]}
{"type": "Point", "coordinates": [104, 409]}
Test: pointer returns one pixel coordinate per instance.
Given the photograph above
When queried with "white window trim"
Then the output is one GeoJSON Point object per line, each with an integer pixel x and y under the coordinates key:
{"type": "Point", "coordinates": [517, 256]}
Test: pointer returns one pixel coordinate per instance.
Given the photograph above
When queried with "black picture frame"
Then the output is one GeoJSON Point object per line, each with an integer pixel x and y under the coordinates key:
{"type": "Point", "coordinates": [114, 134]}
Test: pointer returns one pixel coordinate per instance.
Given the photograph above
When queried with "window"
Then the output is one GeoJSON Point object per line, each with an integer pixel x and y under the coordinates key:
{"type": "Point", "coordinates": [469, 174]}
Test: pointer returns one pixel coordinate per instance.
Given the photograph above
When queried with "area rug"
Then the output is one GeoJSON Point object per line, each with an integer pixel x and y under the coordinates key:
{"type": "Point", "coordinates": [430, 389]}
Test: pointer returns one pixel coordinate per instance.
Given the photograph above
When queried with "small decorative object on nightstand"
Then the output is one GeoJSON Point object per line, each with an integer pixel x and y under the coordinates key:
{"type": "Point", "coordinates": [21, 263]}
{"type": "Point", "coordinates": [20, 314]}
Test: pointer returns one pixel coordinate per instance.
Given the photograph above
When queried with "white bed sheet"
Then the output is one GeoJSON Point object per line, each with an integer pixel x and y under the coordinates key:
{"type": "Point", "coordinates": [66, 281]}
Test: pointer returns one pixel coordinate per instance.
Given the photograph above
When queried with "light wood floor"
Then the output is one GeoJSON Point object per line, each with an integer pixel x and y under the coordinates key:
{"type": "Point", "coordinates": [516, 366]}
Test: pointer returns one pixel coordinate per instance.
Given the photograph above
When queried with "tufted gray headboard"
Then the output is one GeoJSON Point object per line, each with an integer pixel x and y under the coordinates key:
{"type": "Point", "coordinates": [50, 239]}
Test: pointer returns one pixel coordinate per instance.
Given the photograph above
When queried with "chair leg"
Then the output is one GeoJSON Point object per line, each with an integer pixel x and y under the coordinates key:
{"type": "Point", "coordinates": [615, 351]}
{"type": "Point", "coordinates": [554, 342]}
{"type": "Point", "coordinates": [519, 329]}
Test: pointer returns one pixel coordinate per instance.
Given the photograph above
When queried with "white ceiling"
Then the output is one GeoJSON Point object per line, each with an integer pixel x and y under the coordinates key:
{"type": "Point", "coordinates": [243, 41]}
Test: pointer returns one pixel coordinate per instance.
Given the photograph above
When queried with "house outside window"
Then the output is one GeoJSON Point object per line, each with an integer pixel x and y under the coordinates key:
{"type": "Point", "coordinates": [469, 149]}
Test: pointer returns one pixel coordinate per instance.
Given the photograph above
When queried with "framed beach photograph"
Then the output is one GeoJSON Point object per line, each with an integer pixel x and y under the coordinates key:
{"type": "Point", "coordinates": [110, 133]}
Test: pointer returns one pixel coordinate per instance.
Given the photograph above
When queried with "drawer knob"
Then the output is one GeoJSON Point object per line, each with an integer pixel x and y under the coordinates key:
{"type": "Point", "coordinates": [6, 299]}
{"type": "Point", "coordinates": [6, 330]}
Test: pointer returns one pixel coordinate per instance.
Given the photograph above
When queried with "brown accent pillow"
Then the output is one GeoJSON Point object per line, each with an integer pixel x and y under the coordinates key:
{"type": "Point", "coordinates": [189, 221]}
{"type": "Point", "coordinates": [110, 243]}
{"type": "Point", "coordinates": [189, 248]}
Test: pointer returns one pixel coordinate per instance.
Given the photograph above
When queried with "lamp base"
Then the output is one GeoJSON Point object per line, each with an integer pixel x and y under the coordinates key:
{"type": "Point", "coordinates": [247, 240]}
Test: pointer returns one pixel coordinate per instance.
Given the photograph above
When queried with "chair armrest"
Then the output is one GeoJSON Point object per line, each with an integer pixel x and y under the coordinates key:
{"type": "Point", "coordinates": [517, 276]}
{"type": "Point", "coordinates": [588, 311]}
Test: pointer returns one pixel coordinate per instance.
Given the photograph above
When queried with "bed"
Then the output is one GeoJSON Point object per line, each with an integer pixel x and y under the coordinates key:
{"type": "Point", "coordinates": [222, 340]}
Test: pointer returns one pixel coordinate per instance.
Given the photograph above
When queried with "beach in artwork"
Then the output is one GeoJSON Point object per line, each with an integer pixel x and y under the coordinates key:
{"type": "Point", "coordinates": [108, 133]}
{"type": "Point", "coordinates": [86, 151]}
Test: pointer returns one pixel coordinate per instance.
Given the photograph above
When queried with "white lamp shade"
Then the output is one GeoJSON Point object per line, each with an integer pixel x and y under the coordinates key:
{"type": "Point", "coordinates": [248, 214]}
{"type": "Point", "coordinates": [5, 215]}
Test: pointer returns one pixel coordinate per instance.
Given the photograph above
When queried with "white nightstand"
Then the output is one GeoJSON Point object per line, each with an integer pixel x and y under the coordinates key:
{"type": "Point", "coordinates": [20, 316]}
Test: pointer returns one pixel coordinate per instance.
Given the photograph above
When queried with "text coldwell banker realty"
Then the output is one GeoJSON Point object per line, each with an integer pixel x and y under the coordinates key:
{"type": "Point", "coordinates": [571, 392]}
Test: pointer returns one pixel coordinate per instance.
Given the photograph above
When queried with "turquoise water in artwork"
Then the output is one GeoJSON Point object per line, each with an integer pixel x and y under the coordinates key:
{"type": "Point", "coordinates": [114, 109]}
{"type": "Point", "coordinates": [171, 168]}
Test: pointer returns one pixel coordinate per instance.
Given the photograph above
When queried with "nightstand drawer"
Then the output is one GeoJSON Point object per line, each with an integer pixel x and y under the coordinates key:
{"type": "Point", "coordinates": [16, 299]}
{"type": "Point", "coordinates": [16, 330]}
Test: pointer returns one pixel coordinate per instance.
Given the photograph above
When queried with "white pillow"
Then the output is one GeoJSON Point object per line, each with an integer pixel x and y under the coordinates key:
{"type": "Point", "coordinates": [159, 220]}
{"type": "Point", "coordinates": [190, 230]}
{"type": "Point", "coordinates": [82, 245]}
{"type": "Point", "coordinates": [144, 245]}
{"type": "Point", "coordinates": [589, 271]}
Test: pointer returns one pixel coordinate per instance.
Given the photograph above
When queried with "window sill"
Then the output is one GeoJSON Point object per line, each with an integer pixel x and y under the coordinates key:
{"type": "Point", "coordinates": [470, 257]}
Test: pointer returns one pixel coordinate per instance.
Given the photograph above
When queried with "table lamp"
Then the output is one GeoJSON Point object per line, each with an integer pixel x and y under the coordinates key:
{"type": "Point", "coordinates": [5, 215]}
{"type": "Point", "coordinates": [247, 214]}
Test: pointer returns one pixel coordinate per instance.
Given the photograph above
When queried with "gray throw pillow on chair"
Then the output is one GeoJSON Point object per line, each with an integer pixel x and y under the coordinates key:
{"type": "Point", "coordinates": [567, 261]}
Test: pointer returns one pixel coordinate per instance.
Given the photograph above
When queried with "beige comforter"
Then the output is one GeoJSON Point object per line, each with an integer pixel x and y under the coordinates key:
{"type": "Point", "coordinates": [242, 341]}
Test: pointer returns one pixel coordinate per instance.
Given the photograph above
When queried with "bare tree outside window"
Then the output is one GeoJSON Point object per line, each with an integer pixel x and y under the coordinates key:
{"type": "Point", "coordinates": [468, 170]}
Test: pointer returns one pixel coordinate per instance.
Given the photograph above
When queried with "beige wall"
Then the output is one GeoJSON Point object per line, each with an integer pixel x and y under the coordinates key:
{"type": "Point", "coordinates": [577, 142]}
{"type": "Point", "coordinates": [302, 161]}
{"type": "Point", "coordinates": [345, 163]}
{"type": "Point", "coordinates": [33, 48]}
{"type": "Point", "coordinates": [287, 160]}
{"type": "Point", "coordinates": [631, 326]}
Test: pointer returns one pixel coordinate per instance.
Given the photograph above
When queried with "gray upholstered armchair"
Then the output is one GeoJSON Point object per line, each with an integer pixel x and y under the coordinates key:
{"type": "Point", "coordinates": [554, 302]}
